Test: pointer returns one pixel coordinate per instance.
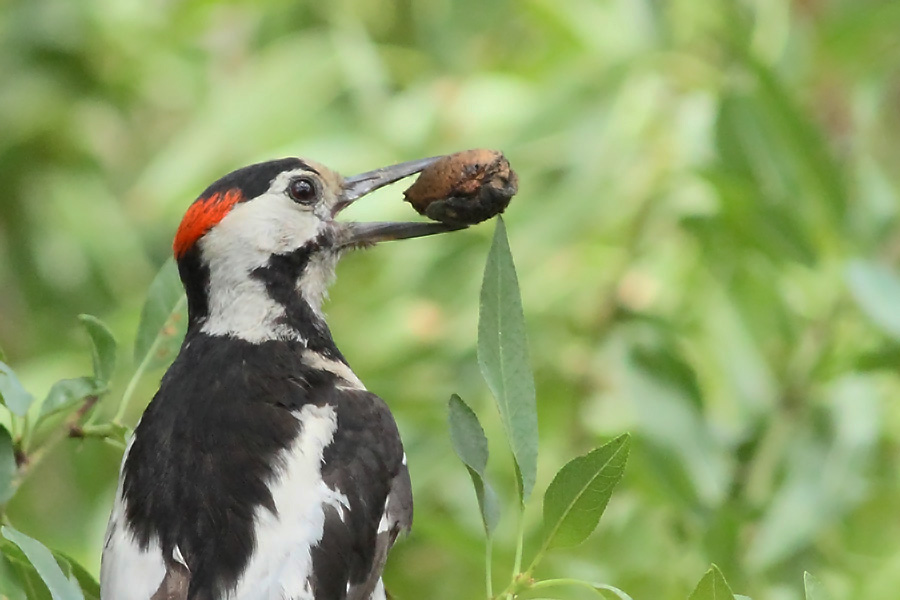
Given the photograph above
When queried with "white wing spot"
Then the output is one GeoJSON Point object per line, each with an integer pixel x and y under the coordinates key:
{"type": "Point", "coordinates": [179, 558]}
{"type": "Point", "coordinates": [317, 361]}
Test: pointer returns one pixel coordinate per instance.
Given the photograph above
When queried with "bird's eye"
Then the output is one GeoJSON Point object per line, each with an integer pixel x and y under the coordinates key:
{"type": "Point", "coordinates": [303, 190]}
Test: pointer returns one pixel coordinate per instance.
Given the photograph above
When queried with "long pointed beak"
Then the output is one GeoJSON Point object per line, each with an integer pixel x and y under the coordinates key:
{"type": "Point", "coordinates": [363, 234]}
{"type": "Point", "coordinates": [357, 186]}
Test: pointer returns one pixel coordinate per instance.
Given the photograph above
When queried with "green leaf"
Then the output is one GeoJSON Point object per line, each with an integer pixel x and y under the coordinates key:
{"type": "Point", "coordinates": [12, 393]}
{"type": "Point", "coordinates": [12, 587]}
{"type": "Point", "coordinates": [467, 435]}
{"type": "Point", "coordinates": [503, 358]}
{"type": "Point", "coordinates": [163, 319]}
{"type": "Point", "coordinates": [66, 393]}
{"type": "Point", "coordinates": [8, 467]}
{"type": "Point", "coordinates": [579, 493]}
{"type": "Point", "coordinates": [712, 587]}
{"type": "Point", "coordinates": [42, 559]}
{"type": "Point", "coordinates": [103, 350]}
{"type": "Point", "coordinates": [89, 586]}
{"type": "Point", "coordinates": [814, 588]}
{"type": "Point", "coordinates": [471, 447]}
{"type": "Point", "coordinates": [876, 289]}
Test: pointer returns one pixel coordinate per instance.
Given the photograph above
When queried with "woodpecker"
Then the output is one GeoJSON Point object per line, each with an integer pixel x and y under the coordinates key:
{"type": "Point", "coordinates": [263, 468]}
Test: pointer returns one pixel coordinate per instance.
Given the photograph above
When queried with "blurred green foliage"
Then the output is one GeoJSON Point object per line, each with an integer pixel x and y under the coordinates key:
{"type": "Point", "coordinates": [706, 239]}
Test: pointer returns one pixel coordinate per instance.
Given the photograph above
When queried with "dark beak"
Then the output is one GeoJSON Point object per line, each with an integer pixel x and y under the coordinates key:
{"type": "Point", "coordinates": [358, 234]}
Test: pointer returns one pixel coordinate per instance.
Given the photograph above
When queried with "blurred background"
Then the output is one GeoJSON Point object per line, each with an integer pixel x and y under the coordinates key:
{"type": "Point", "coordinates": [706, 238]}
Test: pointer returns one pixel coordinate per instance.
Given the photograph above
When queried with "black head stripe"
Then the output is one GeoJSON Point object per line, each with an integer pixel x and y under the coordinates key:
{"type": "Point", "coordinates": [280, 277]}
{"type": "Point", "coordinates": [255, 179]}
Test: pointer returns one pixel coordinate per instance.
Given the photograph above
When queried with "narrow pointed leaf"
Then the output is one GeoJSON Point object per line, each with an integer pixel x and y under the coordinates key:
{"type": "Point", "coordinates": [163, 319]}
{"type": "Point", "coordinates": [78, 575]}
{"type": "Point", "coordinates": [12, 393]}
{"type": "Point", "coordinates": [103, 349]}
{"type": "Point", "coordinates": [467, 435]}
{"type": "Point", "coordinates": [18, 576]}
{"type": "Point", "coordinates": [712, 587]}
{"type": "Point", "coordinates": [11, 585]}
{"type": "Point", "coordinates": [8, 466]}
{"type": "Point", "coordinates": [47, 567]}
{"type": "Point", "coordinates": [488, 503]}
{"type": "Point", "coordinates": [471, 446]}
{"type": "Point", "coordinates": [579, 493]}
{"type": "Point", "coordinates": [67, 393]}
{"type": "Point", "coordinates": [814, 588]}
{"type": "Point", "coordinates": [503, 358]}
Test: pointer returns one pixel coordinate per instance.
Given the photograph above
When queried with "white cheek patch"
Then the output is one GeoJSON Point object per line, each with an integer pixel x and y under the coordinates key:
{"type": "Point", "coordinates": [253, 230]}
{"type": "Point", "coordinates": [243, 241]}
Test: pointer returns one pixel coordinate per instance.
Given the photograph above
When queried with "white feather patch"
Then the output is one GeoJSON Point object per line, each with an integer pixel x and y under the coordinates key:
{"type": "Point", "coordinates": [282, 561]}
{"type": "Point", "coordinates": [378, 593]}
{"type": "Point", "coordinates": [319, 274]}
{"type": "Point", "coordinates": [316, 361]}
{"type": "Point", "coordinates": [386, 521]}
{"type": "Point", "coordinates": [126, 571]}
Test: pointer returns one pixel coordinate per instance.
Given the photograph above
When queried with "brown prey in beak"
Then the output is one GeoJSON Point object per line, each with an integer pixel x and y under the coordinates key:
{"type": "Point", "coordinates": [357, 186]}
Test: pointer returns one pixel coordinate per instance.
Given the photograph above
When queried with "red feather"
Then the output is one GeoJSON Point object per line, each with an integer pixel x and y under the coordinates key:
{"type": "Point", "coordinates": [202, 216]}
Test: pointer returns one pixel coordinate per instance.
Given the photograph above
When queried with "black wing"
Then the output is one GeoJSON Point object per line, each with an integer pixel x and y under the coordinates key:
{"type": "Point", "coordinates": [365, 463]}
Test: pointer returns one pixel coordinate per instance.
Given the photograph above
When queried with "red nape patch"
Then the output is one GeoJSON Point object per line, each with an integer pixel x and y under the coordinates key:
{"type": "Point", "coordinates": [202, 216]}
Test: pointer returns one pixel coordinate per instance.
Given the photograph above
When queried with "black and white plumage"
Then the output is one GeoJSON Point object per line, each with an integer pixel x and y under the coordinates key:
{"type": "Point", "coordinates": [263, 468]}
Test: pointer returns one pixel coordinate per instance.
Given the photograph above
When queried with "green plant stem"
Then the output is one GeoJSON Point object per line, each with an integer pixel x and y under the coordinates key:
{"type": "Point", "coordinates": [64, 430]}
{"type": "Point", "coordinates": [488, 575]}
{"type": "Point", "coordinates": [516, 581]}
{"type": "Point", "coordinates": [13, 426]}
{"type": "Point", "coordinates": [26, 433]}
{"type": "Point", "coordinates": [132, 386]}
{"type": "Point", "coordinates": [520, 536]}
{"type": "Point", "coordinates": [34, 458]}
{"type": "Point", "coordinates": [108, 433]}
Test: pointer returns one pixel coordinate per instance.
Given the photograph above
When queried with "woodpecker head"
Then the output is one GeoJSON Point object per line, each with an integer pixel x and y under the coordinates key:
{"type": "Point", "coordinates": [257, 250]}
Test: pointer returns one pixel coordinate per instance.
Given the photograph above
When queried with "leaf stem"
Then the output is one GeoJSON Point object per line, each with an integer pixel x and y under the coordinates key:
{"type": "Point", "coordinates": [517, 564]}
{"type": "Point", "coordinates": [488, 575]}
{"type": "Point", "coordinates": [132, 386]}
{"type": "Point", "coordinates": [13, 425]}
{"type": "Point", "coordinates": [26, 433]}
{"type": "Point", "coordinates": [65, 429]}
